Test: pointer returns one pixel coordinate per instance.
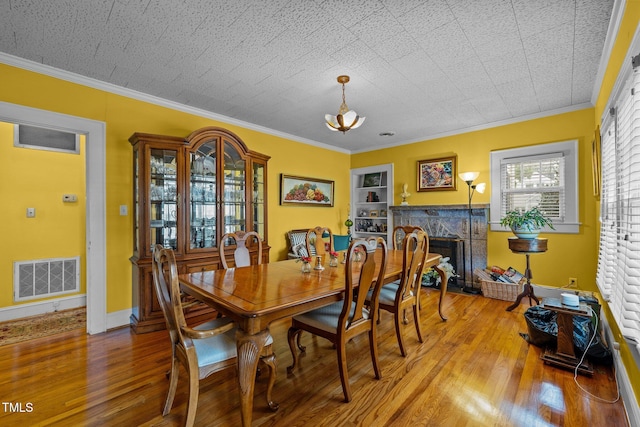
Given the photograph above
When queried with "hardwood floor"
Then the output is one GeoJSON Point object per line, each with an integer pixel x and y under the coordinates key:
{"type": "Point", "coordinates": [472, 370]}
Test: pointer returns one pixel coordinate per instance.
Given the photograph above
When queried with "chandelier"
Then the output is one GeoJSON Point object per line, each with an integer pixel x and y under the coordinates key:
{"type": "Point", "coordinates": [346, 119]}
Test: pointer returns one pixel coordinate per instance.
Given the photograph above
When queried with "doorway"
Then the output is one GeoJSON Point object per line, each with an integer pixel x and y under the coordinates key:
{"type": "Point", "coordinates": [95, 158]}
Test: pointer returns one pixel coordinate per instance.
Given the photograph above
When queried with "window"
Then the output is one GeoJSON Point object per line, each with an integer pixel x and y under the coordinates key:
{"type": "Point", "coordinates": [543, 176]}
{"type": "Point", "coordinates": [618, 275]}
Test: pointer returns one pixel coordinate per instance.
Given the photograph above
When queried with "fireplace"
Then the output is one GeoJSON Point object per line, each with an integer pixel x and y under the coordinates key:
{"type": "Point", "coordinates": [448, 230]}
{"type": "Point", "coordinates": [452, 248]}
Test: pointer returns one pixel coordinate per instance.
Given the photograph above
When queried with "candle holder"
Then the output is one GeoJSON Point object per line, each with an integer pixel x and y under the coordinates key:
{"type": "Point", "coordinates": [318, 263]}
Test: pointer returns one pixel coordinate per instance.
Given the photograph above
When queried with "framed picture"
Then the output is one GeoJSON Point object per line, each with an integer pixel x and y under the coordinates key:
{"type": "Point", "coordinates": [298, 190]}
{"type": "Point", "coordinates": [595, 162]}
{"type": "Point", "coordinates": [437, 174]}
{"type": "Point", "coordinates": [383, 212]}
{"type": "Point", "coordinates": [372, 179]}
{"type": "Point", "coordinates": [373, 213]}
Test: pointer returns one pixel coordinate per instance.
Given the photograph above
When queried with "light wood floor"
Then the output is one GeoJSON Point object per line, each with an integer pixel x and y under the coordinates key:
{"type": "Point", "coordinates": [473, 370]}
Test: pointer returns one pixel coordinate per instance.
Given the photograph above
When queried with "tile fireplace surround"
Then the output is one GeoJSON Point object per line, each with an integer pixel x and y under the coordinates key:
{"type": "Point", "coordinates": [450, 221]}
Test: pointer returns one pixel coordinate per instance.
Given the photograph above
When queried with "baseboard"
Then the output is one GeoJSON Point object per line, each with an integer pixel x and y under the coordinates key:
{"type": "Point", "coordinates": [42, 307]}
{"type": "Point", "coordinates": [622, 377]}
{"type": "Point", "coordinates": [114, 320]}
{"type": "Point", "coordinates": [118, 319]}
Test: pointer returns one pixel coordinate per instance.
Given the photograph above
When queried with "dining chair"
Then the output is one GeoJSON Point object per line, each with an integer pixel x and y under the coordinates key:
{"type": "Point", "coordinates": [399, 231]}
{"type": "Point", "coordinates": [398, 296]}
{"type": "Point", "coordinates": [316, 243]}
{"type": "Point", "coordinates": [241, 254]}
{"type": "Point", "coordinates": [343, 320]}
{"type": "Point", "coordinates": [341, 242]}
{"type": "Point", "coordinates": [203, 349]}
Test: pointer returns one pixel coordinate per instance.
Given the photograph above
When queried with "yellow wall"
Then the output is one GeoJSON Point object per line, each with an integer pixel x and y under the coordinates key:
{"type": "Point", "coordinates": [123, 117]}
{"type": "Point", "coordinates": [567, 255]}
{"type": "Point", "coordinates": [38, 179]}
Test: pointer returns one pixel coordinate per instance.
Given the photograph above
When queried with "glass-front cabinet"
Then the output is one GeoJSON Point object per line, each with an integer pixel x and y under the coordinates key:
{"type": "Point", "coordinates": [189, 192]}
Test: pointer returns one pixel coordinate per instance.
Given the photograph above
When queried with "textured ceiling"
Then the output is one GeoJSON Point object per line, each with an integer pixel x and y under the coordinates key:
{"type": "Point", "coordinates": [418, 68]}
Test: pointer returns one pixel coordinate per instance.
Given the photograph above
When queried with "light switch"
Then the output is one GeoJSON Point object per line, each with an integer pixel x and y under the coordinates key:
{"type": "Point", "coordinates": [69, 198]}
{"type": "Point", "coordinates": [124, 210]}
{"type": "Point", "coordinates": [31, 212]}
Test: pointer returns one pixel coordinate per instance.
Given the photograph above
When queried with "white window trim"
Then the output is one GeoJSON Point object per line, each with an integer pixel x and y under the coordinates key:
{"type": "Point", "coordinates": [570, 150]}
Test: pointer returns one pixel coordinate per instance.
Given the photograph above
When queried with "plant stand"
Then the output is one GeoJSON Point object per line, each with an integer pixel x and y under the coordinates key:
{"type": "Point", "coordinates": [526, 247]}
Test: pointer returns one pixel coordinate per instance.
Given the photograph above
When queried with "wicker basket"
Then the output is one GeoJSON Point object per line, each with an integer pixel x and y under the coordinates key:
{"type": "Point", "coordinates": [500, 290]}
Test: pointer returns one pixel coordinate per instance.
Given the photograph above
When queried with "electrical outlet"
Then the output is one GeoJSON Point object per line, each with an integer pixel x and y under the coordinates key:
{"type": "Point", "coordinates": [573, 282]}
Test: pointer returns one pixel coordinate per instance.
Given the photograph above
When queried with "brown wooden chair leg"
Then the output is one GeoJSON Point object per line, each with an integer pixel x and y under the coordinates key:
{"type": "Point", "coordinates": [344, 375]}
{"type": "Point", "coordinates": [373, 347]}
{"type": "Point", "coordinates": [270, 362]}
{"type": "Point", "coordinates": [173, 385]}
{"type": "Point", "coordinates": [416, 320]}
{"type": "Point", "coordinates": [293, 334]}
{"type": "Point", "coordinates": [192, 403]}
{"type": "Point", "coordinates": [399, 336]}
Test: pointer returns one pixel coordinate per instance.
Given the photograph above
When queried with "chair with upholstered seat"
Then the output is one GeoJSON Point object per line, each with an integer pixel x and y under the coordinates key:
{"type": "Point", "coordinates": [397, 297]}
{"type": "Point", "coordinates": [399, 231]}
{"type": "Point", "coordinates": [241, 255]}
{"type": "Point", "coordinates": [316, 243]}
{"type": "Point", "coordinates": [341, 242]}
{"type": "Point", "coordinates": [343, 320]}
{"type": "Point", "coordinates": [202, 350]}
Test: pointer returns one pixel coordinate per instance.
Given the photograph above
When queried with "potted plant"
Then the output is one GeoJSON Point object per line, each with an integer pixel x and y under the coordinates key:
{"type": "Point", "coordinates": [526, 224]}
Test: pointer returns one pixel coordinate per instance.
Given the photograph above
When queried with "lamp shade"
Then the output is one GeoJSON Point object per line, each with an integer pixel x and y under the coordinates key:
{"type": "Point", "coordinates": [481, 187]}
{"type": "Point", "coordinates": [345, 119]}
{"type": "Point", "coordinates": [468, 176]}
{"type": "Point", "coordinates": [343, 122]}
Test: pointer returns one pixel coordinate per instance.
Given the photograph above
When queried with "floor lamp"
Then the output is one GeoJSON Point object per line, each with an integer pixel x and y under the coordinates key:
{"type": "Point", "coordinates": [469, 177]}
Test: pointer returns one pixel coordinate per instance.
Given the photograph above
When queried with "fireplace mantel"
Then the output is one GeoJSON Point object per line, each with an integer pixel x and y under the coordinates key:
{"type": "Point", "coordinates": [438, 207]}
{"type": "Point", "coordinates": [450, 221]}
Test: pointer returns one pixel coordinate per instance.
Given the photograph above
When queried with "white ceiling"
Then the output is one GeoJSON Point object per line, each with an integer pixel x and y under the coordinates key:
{"type": "Point", "coordinates": [418, 68]}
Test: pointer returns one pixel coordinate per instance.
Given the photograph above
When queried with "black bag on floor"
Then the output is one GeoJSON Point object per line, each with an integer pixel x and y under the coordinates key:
{"type": "Point", "coordinates": [543, 332]}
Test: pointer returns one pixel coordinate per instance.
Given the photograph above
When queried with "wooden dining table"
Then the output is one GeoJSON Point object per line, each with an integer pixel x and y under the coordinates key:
{"type": "Point", "coordinates": [257, 295]}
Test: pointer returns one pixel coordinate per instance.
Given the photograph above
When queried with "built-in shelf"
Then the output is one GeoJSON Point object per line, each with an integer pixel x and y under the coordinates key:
{"type": "Point", "coordinates": [371, 197]}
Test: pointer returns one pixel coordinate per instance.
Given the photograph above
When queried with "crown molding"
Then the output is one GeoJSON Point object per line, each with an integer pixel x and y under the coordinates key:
{"type": "Point", "coordinates": [57, 73]}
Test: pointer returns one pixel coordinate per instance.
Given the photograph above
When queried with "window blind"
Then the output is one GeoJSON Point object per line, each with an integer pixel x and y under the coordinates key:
{"type": "Point", "coordinates": [618, 275]}
{"type": "Point", "coordinates": [534, 181]}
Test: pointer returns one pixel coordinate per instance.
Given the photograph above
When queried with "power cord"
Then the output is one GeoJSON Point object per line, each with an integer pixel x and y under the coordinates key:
{"type": "Point", "coordinates": [575, 373]}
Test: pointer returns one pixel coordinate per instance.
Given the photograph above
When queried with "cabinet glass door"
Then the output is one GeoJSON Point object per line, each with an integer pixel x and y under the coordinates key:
{"type": "Point", "coordinates": [259, 207]}
{"type": "Point", "coordinates": [234, 190]}
{"type": "Point", "coordinates": [136, 202]}
{"type": "Point", "coordinates": [203, 197]}
{"type": "Point", "coordinates": [163, 207]}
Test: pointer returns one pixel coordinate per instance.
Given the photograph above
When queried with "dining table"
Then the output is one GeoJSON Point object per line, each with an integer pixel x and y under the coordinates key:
{"type": "Point", "coordinates": [256, 295]}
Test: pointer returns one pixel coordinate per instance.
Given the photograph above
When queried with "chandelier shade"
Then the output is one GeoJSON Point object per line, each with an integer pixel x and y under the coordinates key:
{"type": "Point", "coordinates": [345, 119]}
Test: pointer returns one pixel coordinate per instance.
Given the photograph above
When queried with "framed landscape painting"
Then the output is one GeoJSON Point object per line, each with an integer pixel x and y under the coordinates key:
{"type": "Point", "coordinates": [298, 190]}
{"type": "Point", "coordinates": [437, 174]}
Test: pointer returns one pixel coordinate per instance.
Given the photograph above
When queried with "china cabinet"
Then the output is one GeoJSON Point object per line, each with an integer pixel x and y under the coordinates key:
{"type": "Point", "coordinates": [371, 197]}
{"type": "Point", "coordinates": [189, 192]}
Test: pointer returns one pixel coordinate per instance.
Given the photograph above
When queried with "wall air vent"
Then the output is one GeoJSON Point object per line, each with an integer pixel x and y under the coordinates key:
{"type": "Point", "coordinates": [26, 136]}
{"type": "Point", "coordinates": [46, 277]}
